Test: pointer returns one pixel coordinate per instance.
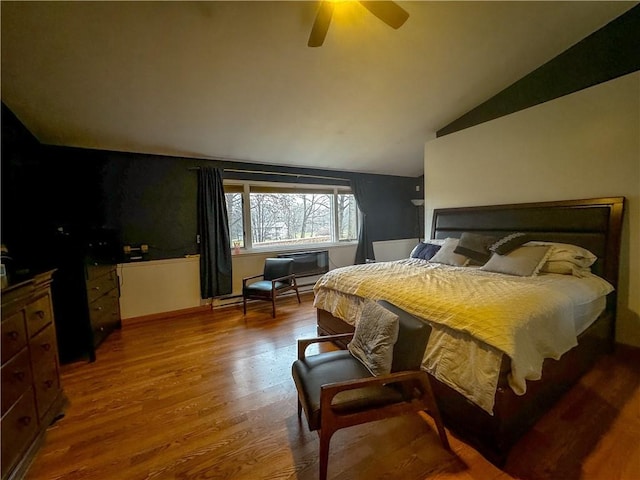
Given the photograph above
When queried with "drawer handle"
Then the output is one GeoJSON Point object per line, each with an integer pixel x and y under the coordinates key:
{"type": "Point", "coordinates": [13, 335]}
{"type": "Point", "coordinates": [19, 376]}
{"type": "Point", "coordinates": [25, 421]}
{"type": "Point", "coordinates": [40, 314]}
{"type": "Point", "coordinates": [46, 347]}
{"type": "Point", "coordinates": [96, 288]}
{"type": "Point", "coordinates": [48, 383]}
{"type": "Point", "coordinates": [99, 308]}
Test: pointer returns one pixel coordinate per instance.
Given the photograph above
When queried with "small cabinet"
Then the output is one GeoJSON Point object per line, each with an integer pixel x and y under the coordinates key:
{"type": "Point", "coordinates": [32, 396]}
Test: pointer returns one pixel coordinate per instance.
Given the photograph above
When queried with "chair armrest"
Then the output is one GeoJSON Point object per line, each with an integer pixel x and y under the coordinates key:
{"type": "Point", "coordinates": [396, 377]}
{"type": "Point", "coordinates": [305, 342]}
{"type": "Point", "coordinates": [417, 396]}
{"type": "Point", "coordinates": [282, 279]}
{"type": "Point", "coordinates": [330, 390]}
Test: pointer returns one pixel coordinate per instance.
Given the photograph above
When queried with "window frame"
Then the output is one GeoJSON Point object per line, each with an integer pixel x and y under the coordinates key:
{"type": "Point", "coordinates": [283, 187]}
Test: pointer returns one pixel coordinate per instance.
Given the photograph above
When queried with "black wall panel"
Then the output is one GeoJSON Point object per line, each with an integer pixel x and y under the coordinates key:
{"type": "Point", "coordinates": [144, 199]}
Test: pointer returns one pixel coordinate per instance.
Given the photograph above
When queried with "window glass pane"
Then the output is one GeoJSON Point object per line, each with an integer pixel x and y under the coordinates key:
{"type": "Point", "coordinates": [347, 217]}
{"type": "Point", "coordinates": [234, 213]}
{"type": "Point", "coordinates": [290, 218]}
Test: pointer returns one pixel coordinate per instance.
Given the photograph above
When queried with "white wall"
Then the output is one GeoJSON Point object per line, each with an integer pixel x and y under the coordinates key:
{"type": "Point", "coordinates": [162, 286]}
{"type": "Point", "coordinates": [158, 286]}
{"type": "Point", "coordinates": [389, 250]}
{"type": "Point", "coordinates": [583, 145]}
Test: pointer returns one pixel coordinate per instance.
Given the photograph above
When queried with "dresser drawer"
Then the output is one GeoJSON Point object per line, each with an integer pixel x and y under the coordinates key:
{"type": "Point", "coordinates": [14, 335]}
{"type": "Point", "coordinates": [105, 309]}
{"type": "Point", "coordinates": [101, 285]}
{"type": "Point", "coordinates": [38, 314]}
{"type": "Point", "coordinates": [45, 368]}
{"type": "Point", "coordinates": [19, 427]}
{"type": "Point", "coordinates": [47, 385]}
{"type": "Point", "coordinates": [16, 379]}
{"type": "Point", "coordinates": [98, 270]}
{"type": "Point", "coordinates": [43, 347]}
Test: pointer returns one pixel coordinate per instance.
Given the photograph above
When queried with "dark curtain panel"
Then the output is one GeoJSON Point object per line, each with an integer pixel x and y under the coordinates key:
{"type": "Point", "coordinates": [213, 227]}
{"type": "Point", "coordinates": [365, 196]}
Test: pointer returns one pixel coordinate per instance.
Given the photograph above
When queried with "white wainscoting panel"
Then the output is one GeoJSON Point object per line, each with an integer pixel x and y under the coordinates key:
{"type": "Point", "coordinates": [389, 250]}
{"type": "Point", "coordinates": [159, 286]}
{"type": "Point", "coordinates": [163, 286]}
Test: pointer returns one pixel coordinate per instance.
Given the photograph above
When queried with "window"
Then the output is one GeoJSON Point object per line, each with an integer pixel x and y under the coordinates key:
{"type": "Point", "coordinates": [233, 195]}
{"type": "Point", "coordinates": [264, 215]}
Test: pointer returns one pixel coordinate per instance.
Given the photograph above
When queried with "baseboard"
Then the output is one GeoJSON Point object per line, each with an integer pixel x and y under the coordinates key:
{"type": "Point", "coordinates": [229, 302]}
{"type": "Point", "coordinates": [171, 314]}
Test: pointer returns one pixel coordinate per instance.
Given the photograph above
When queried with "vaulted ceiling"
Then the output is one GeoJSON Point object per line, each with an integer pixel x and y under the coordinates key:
{"type": "Point", "coordinates": [236, 80]}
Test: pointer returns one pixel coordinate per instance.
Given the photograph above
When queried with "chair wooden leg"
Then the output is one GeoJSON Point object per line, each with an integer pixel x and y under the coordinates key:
{"type": "Point", "coordinates": [323, 460]}
{"type": "Point", "coordinates": [244, 305]}
{"type": "Point", "coordinates": [435, 414]}
{"type": "Point", "coordinates": [441, 432]}
{"type": "Point", "coordinates": [273, 305]}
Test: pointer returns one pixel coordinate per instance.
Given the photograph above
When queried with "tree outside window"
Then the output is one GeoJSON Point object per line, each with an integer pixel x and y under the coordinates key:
{"type": "Point", "coordinates": [291, 216]}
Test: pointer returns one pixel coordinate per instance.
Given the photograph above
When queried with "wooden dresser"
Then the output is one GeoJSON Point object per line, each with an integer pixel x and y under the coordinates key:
{"type": "Point", "coordinates": [86, 302]}
{"type": "Point", "coordinates": [32, 396]}
{"type": "Point", "coordinates": [103, 296]}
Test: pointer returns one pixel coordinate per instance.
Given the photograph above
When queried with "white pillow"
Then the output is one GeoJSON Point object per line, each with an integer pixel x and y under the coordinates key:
{"type": "Point", "coordinates": [566, 252]}
{"type": "Point", "coordinates": [375, 335]}
{"type": "Point", "coordinates": [564, 268]}
{"type": "Point", "coordinates": [447, 255]}
{"type": "Point", "coordinates": [522, 262]}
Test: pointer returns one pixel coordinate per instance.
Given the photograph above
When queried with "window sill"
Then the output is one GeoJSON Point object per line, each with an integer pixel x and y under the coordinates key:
{"type": "Point", "coordinates": [290, 249]}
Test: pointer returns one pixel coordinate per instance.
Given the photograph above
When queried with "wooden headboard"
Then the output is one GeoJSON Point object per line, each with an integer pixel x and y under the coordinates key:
{"type": "Point", "coordinates": [594, 224]}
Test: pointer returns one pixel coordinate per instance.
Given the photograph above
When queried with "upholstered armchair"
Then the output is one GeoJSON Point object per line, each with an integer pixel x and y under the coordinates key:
{"type": "Point", "coordinates": [277, 278]}
{"type": "Point", "coordinates": [339, 389]}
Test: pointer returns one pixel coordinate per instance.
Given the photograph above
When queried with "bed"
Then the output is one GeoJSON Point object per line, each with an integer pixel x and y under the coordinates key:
{"type": "Point", "coordinates": [520, 391]}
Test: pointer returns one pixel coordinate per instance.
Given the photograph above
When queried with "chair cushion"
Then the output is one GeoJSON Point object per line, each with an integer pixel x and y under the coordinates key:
{"type": "Point", "coordinates": [374, 337]}
{"type": "Point", "coordinates": [264, 286]}
{"type": "Point", "coordinates": [310, 373]}
{"type": "Point", "coordinates": [413, 335]}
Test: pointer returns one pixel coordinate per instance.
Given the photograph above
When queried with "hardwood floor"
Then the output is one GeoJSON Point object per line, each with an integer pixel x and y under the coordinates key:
{"type": "Point", "coordinates": [210, 396]}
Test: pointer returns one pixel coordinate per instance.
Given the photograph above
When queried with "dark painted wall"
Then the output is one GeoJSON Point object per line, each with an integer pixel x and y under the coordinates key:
{"type": "Point", "coordinates": [146, 199]}
{"type": "Point", "coordinates": [611, 52]}
{"type": "Point", "coordinates": [152, 200]}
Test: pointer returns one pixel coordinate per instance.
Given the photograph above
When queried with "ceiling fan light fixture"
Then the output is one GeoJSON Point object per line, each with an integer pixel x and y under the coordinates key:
{"type": "Point", "coordinates": [321, 24]}
{"type": "Point", "coordinates": [387, 11]}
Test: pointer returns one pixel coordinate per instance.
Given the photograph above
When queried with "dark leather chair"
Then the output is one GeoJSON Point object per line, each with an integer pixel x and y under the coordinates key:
{"type": "Point", "coordinates": [277, 278]}
{"type": "Point", "coordinates": [336, 390]}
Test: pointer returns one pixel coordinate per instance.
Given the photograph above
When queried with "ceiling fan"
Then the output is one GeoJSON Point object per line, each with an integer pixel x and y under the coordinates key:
{"type": "Point", "coordinates": [389, 12]}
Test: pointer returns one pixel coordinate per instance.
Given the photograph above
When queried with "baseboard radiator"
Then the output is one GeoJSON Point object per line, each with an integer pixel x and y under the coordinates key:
{"type": "Point", "coordinates": [306, 264]}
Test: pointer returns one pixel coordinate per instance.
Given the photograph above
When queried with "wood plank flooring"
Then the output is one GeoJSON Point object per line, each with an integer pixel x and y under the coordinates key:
{"type": "Point", "coordinates": [210, 396]}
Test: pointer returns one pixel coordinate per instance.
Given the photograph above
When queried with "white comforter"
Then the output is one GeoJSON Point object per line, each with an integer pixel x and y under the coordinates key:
{"type": "Point", "coordinates": [476, 317]}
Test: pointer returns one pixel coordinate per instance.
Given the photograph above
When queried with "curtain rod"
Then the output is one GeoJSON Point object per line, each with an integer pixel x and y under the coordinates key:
{"type": "Point", "coordinates": [262, 172]}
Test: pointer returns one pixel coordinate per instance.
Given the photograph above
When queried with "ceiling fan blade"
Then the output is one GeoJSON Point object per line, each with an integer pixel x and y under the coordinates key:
{"type": "Point", "coordinates": [389, 12]}
{"type": "Point", "coordinates": [321, 24]}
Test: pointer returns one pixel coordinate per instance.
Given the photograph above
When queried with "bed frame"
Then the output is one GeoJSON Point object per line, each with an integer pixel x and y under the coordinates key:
{"type": "Point", "coordinates": [594, 224]}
